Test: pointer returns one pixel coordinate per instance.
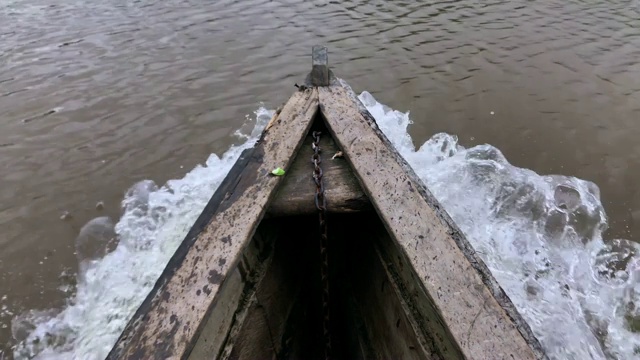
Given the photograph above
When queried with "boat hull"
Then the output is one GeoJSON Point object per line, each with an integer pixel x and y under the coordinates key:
{"type": "Point", "coordinates": [404, 282]}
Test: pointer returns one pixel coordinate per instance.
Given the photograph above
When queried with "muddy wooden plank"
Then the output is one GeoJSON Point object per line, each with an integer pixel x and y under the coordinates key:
{"type": "Point", "coordinates": [235, 296]}
{"type": "Point", "coordinates": [171, 318]}
{"type": "Point", "coordinates": [296, 195]}
{"type": "Point", "coordinates": [479, 315]}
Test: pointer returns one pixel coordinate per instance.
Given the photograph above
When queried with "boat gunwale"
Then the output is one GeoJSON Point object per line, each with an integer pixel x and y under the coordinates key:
{"type": "Point", "coordinates": [460, 238]}
{"type": "Point", "coordinates": [354, 152]}
{"type": "Point", "coordinates": [139, 341]}
{"type": "Point", "coordinates": [250, 175]}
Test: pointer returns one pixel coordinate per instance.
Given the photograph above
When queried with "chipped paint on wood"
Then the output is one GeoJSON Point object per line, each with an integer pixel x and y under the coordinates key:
{"type": "Point", "coordinates": [481, 318]}
{"type": "Point", "coordinates": [169, 322]}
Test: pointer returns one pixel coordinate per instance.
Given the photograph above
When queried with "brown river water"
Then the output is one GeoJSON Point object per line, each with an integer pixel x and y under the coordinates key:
{"type": "Point", "coordinates": [96, 96]}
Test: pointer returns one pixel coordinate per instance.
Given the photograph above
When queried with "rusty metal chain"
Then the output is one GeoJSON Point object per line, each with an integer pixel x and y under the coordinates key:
{"type": "Point", "coordinates": [321, 205]}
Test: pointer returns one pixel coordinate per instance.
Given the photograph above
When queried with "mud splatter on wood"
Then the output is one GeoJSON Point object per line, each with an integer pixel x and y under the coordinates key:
{"type": "Point", "coordinates": [481, 318]}
{"type": "Point", "coordinates": [241, 199]}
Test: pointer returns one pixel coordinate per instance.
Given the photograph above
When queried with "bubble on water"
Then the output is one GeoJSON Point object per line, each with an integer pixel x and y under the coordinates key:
{"type": "Point", "coordinates": [96, 239]}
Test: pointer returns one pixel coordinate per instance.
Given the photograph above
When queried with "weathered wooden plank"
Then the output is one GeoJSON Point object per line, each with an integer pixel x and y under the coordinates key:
{"type": "Point", "coordinates": [263, 330]}
{"type": "Point", "coordinates": [320, 66]}
{"type": "Point", "coordinates": [382, 307]}
{"type": "Point", "coordinates": [296, 194]}
{"type": "Point", "coordinates": [422, 312]}
{"type": "Point", "coordinates": [479, 315]}
{"type": "Point", "coordinates": [170, 320]}
{"type": "Point", "coordinates": [235, 295]}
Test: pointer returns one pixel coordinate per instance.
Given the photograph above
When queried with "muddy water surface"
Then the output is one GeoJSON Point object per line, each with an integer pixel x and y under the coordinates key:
{"type": "Point", "coordinates": [95, 96]}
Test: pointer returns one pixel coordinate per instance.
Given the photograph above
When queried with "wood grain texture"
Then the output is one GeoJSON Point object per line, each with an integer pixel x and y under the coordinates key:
{"type": "Point", "coordinates": [170, 320]}
{"type": "Point", "coordinates": [480, 317]}
{"type": "Point", "coordinates": [296, 195]}
{"type": "Point", "coordinates": [388, 321]}
{"type": "Point", "coordinates": [275, 296]}
{"type": "Point", "coordinates": [320, 66]}
{"type": "Point", "coordinates": [235, 296]}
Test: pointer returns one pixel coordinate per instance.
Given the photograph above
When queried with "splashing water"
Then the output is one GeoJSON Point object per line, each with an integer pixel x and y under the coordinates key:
{"type": "Point", "coordinates": [110, 288]}
{"type": "Point", "coordinates": [541, 236]}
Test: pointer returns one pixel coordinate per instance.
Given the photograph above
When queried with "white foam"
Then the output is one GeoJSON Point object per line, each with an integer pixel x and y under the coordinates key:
{"type": "Point", "coordinates": [540, 235]}
{"type": "Point", "coordinates": [154, 222]}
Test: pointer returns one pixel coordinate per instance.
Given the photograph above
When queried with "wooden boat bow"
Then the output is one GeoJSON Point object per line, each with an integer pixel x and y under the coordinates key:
{"type": "Point", "coordinates": [237, 285]}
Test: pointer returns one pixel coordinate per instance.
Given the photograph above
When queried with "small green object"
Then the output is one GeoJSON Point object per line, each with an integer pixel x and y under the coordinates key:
{"type": "Point", "coordinates": [278, 172]}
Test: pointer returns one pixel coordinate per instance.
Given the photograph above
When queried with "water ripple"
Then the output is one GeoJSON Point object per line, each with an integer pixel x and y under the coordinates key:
{"type": "Point", "coordinates": [88, 88]}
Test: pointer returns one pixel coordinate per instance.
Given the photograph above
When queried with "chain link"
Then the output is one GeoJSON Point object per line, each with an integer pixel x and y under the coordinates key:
{"type": "Point", "coordinates": [321, 205]}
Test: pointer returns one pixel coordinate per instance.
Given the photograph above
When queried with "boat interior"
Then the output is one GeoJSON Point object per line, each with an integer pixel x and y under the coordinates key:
{"type": "Point", "coordinates": [377, 308]}
{"type": "Point", "coordinates": [248, 281]}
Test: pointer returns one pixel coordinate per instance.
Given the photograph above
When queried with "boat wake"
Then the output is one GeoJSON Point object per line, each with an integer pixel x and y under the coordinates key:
{"type": "Point", "coordinates": [541, 236]}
